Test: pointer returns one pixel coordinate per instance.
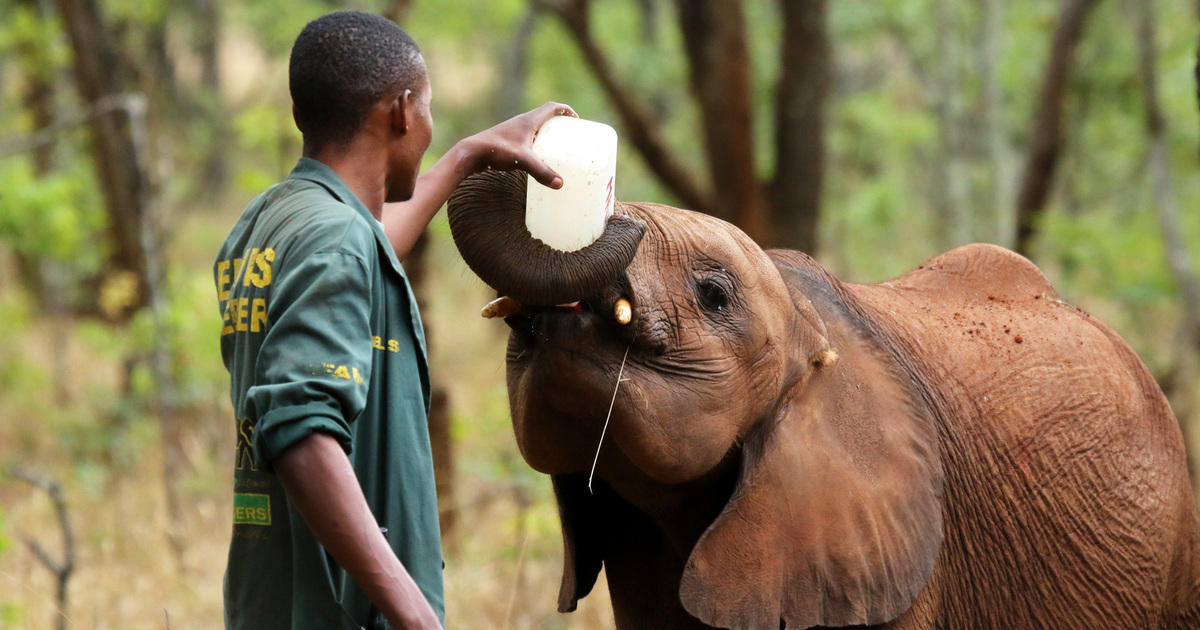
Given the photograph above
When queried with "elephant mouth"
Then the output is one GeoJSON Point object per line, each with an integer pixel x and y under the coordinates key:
{"type": "Point", "coordinates": [585, 327]}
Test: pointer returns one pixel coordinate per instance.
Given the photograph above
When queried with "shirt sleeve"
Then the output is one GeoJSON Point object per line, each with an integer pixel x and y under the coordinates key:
{"type": "Point", "coordinates": [314, 364]}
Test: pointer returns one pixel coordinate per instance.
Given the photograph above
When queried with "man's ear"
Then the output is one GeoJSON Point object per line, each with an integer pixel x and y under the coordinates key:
{"type": "Point", "coordinates": [296, 119]}
{"type": "Point", "coordinates": [403, 109]}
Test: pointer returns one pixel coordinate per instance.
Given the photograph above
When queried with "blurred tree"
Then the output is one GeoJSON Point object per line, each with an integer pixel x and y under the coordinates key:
{"type": "Point", "coordinates": [207, 37]}
{"type": "Point", "coordinates": [1179, 260]}
{"type": "Point", "coordinates": [441, 438]}
{"type": "Point", "coordinates": [999, 147]}
{"type": "Point", "coordinates": [1047, 138]}
{"type": "Point", "coordinates": [952, 202]}
{"type": "Point", "coordinates": [514, 68]}
{"type": "Point", "coordinates": [33, 56]}
{"type": "Point", "coordinates": [397, 10]}
{"type": "Point", "coordinates": [781, 211]}
{"type": "Point", "coordinates": [800, 121]}
{"type": "Point", "coordinates": [102, 77]}
{"type": "Point", "coordinates": [33, 53]}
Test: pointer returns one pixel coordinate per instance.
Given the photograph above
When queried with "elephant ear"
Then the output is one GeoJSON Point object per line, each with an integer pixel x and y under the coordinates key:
{"type": "Point", "coordinates": [581, 548]}
{"type": "Point", "coordinates": [836, 519]}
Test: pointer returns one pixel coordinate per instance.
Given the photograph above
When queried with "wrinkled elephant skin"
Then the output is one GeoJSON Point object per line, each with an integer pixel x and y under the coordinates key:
{"type": "Point", "coordinates": [955, 448]}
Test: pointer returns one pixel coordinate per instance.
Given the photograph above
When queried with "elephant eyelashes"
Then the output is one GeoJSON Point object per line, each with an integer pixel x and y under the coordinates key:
{"type": "Point", "coordinates": [712, 295]}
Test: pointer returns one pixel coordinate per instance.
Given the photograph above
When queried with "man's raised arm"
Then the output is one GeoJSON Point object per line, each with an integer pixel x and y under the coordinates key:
{"type": "Point", "coordinates": [505, 147]}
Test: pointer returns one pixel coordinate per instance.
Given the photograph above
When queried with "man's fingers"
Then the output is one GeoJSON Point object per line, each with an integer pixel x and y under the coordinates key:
{"type": "Point", "coordinates": [547, 111]}
{"type": "Point", "coordinates": [558, 109]}
{"type": "Point", "coordinates": [535, 167]}
{"type": "Point", "coordinates": [540, 172]}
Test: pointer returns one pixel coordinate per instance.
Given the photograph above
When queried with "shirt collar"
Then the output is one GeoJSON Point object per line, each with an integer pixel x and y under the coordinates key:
{"type": "Point", "coordinates": [317, 172]}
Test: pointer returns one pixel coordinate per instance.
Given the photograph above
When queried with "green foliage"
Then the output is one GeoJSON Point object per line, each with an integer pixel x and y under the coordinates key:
{"type": "Point", "coordinates": [56, 217]}
{"type": "Point", "coordinates": [266, 129]}
{"type": "Point", "coordinates": [276, 23]}
{"type": "Point", "coordinates": [141, 12]}
{"type": "Point", "coordinates": [5, 541]}
{"type": "Point", "coordinates": [34, 41]}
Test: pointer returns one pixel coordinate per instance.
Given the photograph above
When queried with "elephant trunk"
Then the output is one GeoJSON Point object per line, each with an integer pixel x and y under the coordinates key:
{"type": "Point", "coordinates": [487, 220]}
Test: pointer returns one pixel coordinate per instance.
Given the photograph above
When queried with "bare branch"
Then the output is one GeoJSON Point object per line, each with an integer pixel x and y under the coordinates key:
{"type": "Point", "coordinates": [62, 570]}
{"type": "Point", "coordinates": [638, 127]}
{"type": "Point", "coordinates": [123, 102]}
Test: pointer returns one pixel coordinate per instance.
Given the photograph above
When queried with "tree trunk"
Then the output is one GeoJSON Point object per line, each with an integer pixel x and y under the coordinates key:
{"type": "Point", "coordinates": [398, 10]}
{"type": "Point", "coordinates": [100, 73]}
{"type": "Point", "coordinates": [207, 42]}
{"type": "Point", "coordinates": [416, 266]}
{"type": "Point", "coordinates": [38, 96]}
{"type": "Point", "coordinates": [43, 277]}
{"type": "Point", "coordinates": [161, 79]}
{"type": "Point", "coordinates": [800, 97]}
{"type": "Point", "coordinates": [1047, 138]}
{"type": "Point", "coordinates": [32, 56]}
{"type": "Point", "coordinates": [714, 36]}
{"type": "Point", "coordinates": [514, 69]}
{"type": "Point", "coordinates": [1179, 259]}
{"type": "Point", "coordinates": [999, 150]}
{"type": "Point", "coordinates": [784, 212]}
{"type": "Point", "coordinates": [953, 203]}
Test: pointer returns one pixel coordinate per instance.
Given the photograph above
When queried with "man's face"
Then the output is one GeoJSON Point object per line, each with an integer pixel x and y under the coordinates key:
{"type": "Point", "coordinates": [407, 149]}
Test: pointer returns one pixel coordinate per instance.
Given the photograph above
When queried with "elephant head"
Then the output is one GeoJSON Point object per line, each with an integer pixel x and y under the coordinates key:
{"type": "Point", "coordinates": [749, 417]}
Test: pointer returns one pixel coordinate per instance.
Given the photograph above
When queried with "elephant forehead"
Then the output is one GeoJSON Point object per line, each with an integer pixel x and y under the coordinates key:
{"type": "Point", "coordinates": [678, 236]}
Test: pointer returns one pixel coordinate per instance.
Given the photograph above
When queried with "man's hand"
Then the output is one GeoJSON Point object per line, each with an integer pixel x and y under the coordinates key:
{"type": "Point", "coordinates": [319, 481]}
{"type": "Point", "coordinates": [509, 146]}
{"type": "Point", "coordinates": [505, 147]}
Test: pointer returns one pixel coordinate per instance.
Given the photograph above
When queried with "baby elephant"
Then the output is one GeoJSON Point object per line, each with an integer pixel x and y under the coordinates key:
{"type": "Point", "coordinates": [955, 448]}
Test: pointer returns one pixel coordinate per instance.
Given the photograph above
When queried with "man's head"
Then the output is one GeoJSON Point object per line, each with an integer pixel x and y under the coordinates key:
{"type": "Point", "coordinates": [344, 67]}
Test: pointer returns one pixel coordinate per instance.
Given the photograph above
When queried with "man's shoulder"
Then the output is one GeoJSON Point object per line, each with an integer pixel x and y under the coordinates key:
{"type": "Point", "coordinates": [302, 217]}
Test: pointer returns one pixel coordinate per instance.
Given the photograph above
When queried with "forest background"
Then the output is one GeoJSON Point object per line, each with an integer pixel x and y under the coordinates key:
{"type": "Point", "coordinates": [871, 133]}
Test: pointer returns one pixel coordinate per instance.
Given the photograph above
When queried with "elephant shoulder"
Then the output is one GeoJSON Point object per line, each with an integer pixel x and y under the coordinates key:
{"type": "Point", "coordinates": [979, 271]}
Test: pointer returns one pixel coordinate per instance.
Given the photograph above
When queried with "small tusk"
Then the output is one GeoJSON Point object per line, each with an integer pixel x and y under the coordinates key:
{"type": "Point", "coordinates": [623, 311]}
{"type": "Point", "coordinates": [503, 306]}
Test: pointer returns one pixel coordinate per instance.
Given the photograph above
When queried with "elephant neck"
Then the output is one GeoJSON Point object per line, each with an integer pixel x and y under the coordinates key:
{"type": "Point", "coordinates": [681, 512]}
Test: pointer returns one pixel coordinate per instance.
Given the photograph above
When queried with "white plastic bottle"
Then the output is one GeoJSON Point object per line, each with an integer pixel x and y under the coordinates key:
{"type": "Point", "coordinates": [584, 153]}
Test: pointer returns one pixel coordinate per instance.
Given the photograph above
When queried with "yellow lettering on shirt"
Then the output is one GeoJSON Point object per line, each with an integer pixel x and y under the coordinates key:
{"type": "Point", "coordinates": [393, 345]}
{"type": "Point", "coordinates": [377, 342]}
{"type": "Point", "coordinates": [244, 314]}
{"type": "Point", "coordinates": [223, 280]}
{"type": "Point", "coordinates": [248, 257]}
{"type": "Point", "coordinates": [241, 312]}
{"type": "Point", "coordinates": [258, 315]}
{"type": "Point", "coordinates": [237, 270]}
{"type": "Point", "coordinates": [227, 325]}
{"type": "Point", "coordinates": [261, 276]}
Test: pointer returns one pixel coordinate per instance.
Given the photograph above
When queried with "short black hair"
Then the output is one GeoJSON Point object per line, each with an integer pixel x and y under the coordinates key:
{"type": "Point", "coordinates": [341, 65]}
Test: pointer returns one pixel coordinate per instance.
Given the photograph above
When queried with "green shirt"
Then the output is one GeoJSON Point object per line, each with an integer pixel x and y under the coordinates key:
{"type": "Point", "coordinates": [321, 333]}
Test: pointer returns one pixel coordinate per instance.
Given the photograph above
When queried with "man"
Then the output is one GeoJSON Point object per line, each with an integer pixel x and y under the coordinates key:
{"type": "Point", "coordinates": [335, 516]}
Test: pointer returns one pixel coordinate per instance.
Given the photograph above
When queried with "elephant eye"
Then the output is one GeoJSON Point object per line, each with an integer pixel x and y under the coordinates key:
{"type": "Point", "coordinates": [712, 294]}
